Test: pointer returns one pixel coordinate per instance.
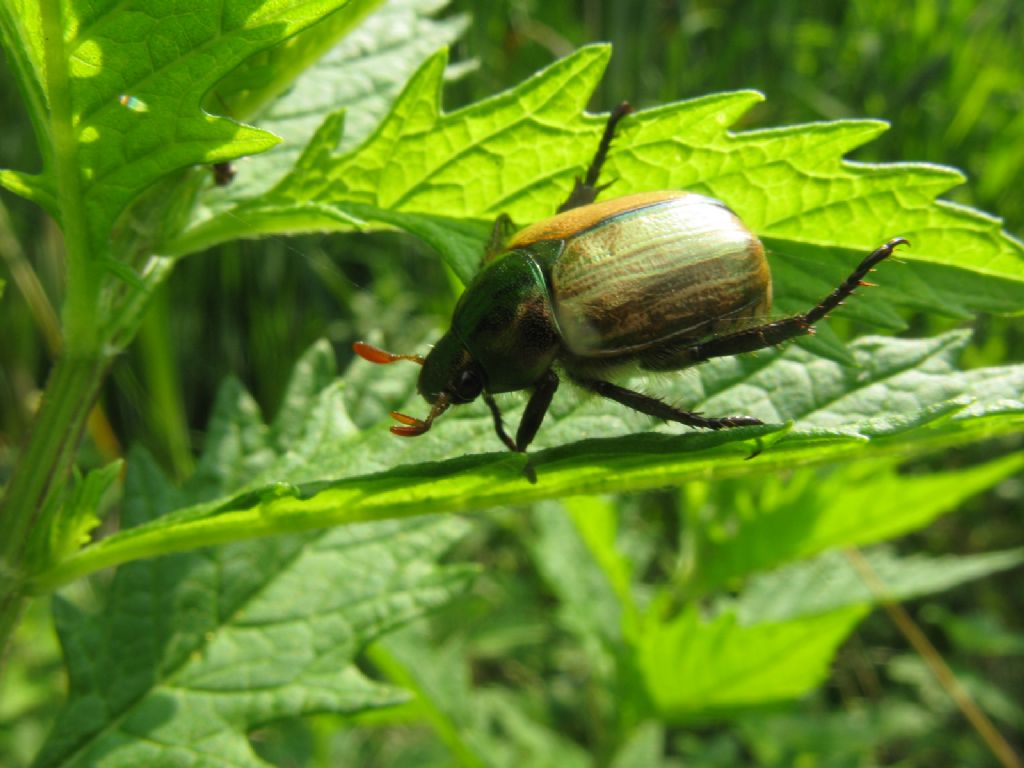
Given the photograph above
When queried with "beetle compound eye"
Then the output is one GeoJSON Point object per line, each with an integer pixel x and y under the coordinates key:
{"type": "Point", "coordinates": [468, 386]}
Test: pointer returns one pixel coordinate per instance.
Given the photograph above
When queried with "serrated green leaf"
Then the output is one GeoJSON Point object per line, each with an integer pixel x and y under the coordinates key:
{"type": "Point", "coordinates": [189, 652]}
{"type": "Point", "coordinates": [830, 582]}
{"type": "Point", "coordinates": [427, 171]}
{"type": "Point", "coordinates": [799, 515]}
{"type": "Point", "coordinates": [419, 163]}
{"type": "Point", "coordinates": [793, 188]}
{"type": "Point", "coordinates": [261, 79]}
{"type": "Point", "coordinates": [907, 398]}
{"type": "Point", "coordinates": [698, 669]}
{"type": "Point", "coordinates": [78, 515]}
{"type": "Point", "coordinates": [238, 636]}
{"type": "Point", "coordinates": [360, 76]}
{"type": "Point", "coordinates": [128, 79]}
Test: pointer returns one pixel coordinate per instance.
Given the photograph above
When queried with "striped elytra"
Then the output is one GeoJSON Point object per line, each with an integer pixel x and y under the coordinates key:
{"type": "Point", "coordinates": [642, 270]}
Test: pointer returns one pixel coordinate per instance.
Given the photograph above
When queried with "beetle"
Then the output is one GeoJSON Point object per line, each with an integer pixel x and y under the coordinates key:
{"type": "Point", "coordinates": [662, 280]}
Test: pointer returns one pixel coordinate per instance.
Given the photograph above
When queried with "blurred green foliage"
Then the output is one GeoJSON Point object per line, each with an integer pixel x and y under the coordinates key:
{"type": "Point", "coordinates": [947, 75]}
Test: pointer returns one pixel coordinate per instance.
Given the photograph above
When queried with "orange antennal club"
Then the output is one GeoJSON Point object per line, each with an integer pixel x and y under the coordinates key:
{"type": "Point", "coordinates": [374, 355]}
{"type": "Point", "coordinates": [415, 427]}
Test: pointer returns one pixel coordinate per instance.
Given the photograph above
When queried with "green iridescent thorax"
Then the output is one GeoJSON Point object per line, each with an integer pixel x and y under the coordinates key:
{"type": "Point", "coordinates": [504, 323]}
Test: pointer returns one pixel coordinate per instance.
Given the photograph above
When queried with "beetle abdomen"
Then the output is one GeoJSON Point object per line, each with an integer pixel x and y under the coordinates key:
{"type": "Point", "coordinates": [676, 268]}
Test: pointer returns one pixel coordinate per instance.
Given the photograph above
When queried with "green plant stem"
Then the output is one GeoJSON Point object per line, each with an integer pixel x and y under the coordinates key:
{"type": "Point", "coordinates": [40, 471]}
{"type": "Point", "coordinates": [165, 409]}
{"type": "Point", "coordinates": [48, 324]}
{"type": "Point", "coordinates": [433, 713]}
{"type": "Point", "coordinates": [84, 271]}
{"type": "Point", "coordinates": [53, 442]}
{"type": "Point", "coordinates": [75, 379]}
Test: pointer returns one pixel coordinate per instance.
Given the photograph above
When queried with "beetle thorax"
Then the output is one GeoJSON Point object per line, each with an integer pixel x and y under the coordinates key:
{"type": "Point", "coordinates": [506, 322]}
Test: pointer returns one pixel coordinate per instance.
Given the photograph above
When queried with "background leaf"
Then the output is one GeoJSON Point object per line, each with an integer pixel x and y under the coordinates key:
{"type": "Point", "coordinates": [790, 185]}
{"type": "Point", "coordinates": [829, 582]}
{"type": "Point", "coordinates": [188, 653]}
{"type": "Point", "coordinates": [792, 517]}
{"type": "Point", "coordinates": [362, 74]}
{"type": "Point", "coordinates": [136, 75]}
{"type": "Point", "coordinates": [694, 668]}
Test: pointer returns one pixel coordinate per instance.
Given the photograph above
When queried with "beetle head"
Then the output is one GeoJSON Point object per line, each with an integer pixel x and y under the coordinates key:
{"type": "Point", "coordinates": [449, 377]}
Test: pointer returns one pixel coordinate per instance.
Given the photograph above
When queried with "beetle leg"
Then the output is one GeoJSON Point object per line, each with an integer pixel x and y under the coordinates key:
{"type": "Point", "coordinates": [776, 332]}
{"type": "Point", "coordinates": [652, 406]}
{"type": "Point", "coordinates": [585, 191]}
{"type": "Point", "coordinates": [848, 286]}
{"type": "Point", "coordinates": [498, 426]}
{"type": "Point", "coordinates": [536, 409]}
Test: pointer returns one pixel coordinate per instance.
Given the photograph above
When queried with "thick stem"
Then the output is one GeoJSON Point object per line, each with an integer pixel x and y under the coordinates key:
{"type": "Point", "coordinates": [41, 471]}
{"type": "Point", "coordinates": [84, 272]}
{"type": "Point", "coordinates": [46, 460]}
{"type": "Point", "coordinates": [50, 450]}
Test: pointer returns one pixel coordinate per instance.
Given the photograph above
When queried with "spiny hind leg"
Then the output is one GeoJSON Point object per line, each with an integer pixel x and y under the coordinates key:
{"type": "Point", "coordinates": [659, 409]}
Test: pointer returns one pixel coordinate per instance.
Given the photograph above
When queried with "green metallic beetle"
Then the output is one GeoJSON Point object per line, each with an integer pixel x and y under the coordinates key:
{"type": "Point", "coordinates": [663, 280]}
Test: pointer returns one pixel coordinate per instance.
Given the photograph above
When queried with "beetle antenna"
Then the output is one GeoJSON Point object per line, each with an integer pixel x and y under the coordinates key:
{"type": "Point", "coordinates": [585, 190]}
{"type": "Point", "coordinates": [415, 427]}
{"type": "Point", "coordinates": [379, 356]}
{"type": "Point", "coordinates": [606, 142]}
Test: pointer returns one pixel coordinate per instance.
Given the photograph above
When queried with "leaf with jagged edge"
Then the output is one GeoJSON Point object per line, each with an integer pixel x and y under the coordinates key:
{"type": "Point", "coordinates": [132, 81]}
{"type": "Point", "coordinates": [67, 524]}
{"type": "Point", "coordinates": [189, 652]}
{"type": "Point", "coordinates": [363, 74]}
{"type": "Point", "coordinates": [445, 176]}
{"type": "Point", "coordinates": [831, 582]}
{"type": "Point", "coordinates": [778, 519]}
{"type": "Point", "coordinates": [905, 398]}
{"type": "Point", "coordinates": [696, 669]}
{"type": "Point", "coordinates": [262, 79]}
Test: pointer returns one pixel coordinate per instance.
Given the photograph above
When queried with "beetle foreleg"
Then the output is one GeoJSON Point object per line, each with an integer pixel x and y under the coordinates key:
{"type": "Point", "coordinates": [499, 427]}
{"type": "Point", "coordinates": [661, 410]}
{"type": "Point", "coordinates": [536, 409]}
{"type": "Point", "coordinates": [585, 191]}
{"type": "Point", "coordinates": [538, 405]}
